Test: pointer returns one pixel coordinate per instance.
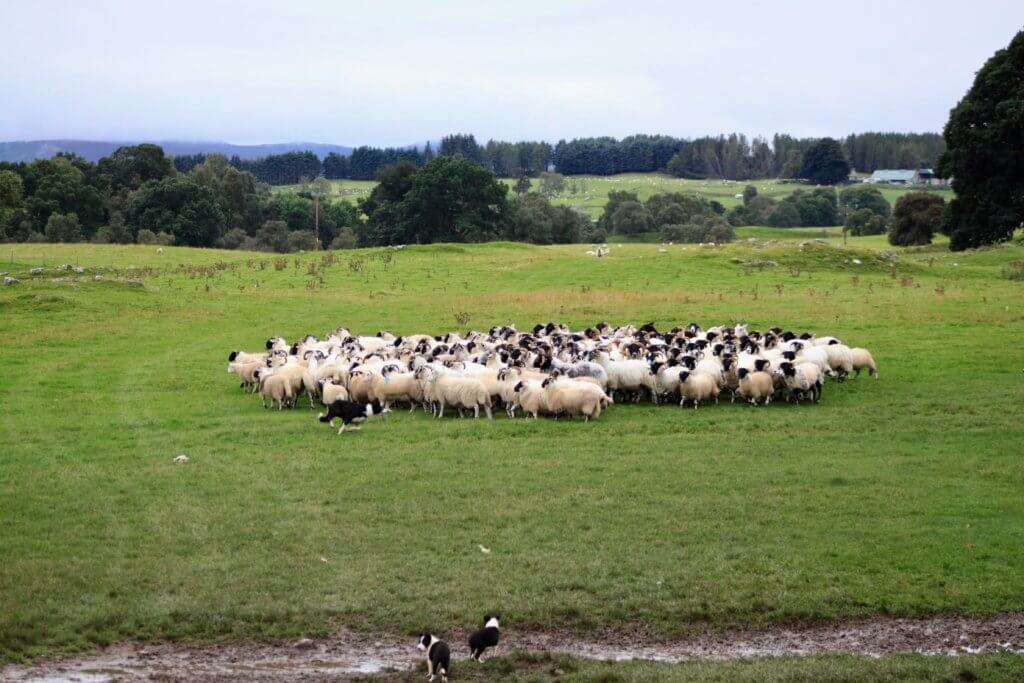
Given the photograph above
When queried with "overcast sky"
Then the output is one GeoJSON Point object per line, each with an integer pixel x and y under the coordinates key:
{"type": "Point", "coordinates": [392, 73]}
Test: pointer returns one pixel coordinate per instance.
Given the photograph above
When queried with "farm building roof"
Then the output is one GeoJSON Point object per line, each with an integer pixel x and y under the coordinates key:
{"type": "Point", "coordinates": [890, 176]}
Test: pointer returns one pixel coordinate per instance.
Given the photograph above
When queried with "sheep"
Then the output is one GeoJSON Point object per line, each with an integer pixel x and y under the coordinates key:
{"type": "Point", "coordinates": [574, 397]}
{"type": "Point", "coordinates": [246, 357]}
{"type": "Point", "coordinates": [331, 391]}
{"type": "Point", "coordinates": [840, 360]}
{"type": "Point", "coordinates": [246, 373]}
{"type": "Point", "coordinates": [697, 387]}
{"type": "Point", "coordinates": [360, 385]}
{"type": "Point", "coordinates": [444, 388]}
{"type": "Point", "coordinates": [802, 379]}
{"type": "Point", "coordinates": [301, 380]}
{"type": "Point", "coordinates": [276, 388]}
{"type": "Point", "coordinates": [627, 376]}
{"type": "Point", "coordinates": [755, 386]}
{"type": "Point", "coordinates": [862, 360]}
{"type": "Point", "coordinates": [391, 385]}
{"type": "Point", "coordinates": [531, 397]}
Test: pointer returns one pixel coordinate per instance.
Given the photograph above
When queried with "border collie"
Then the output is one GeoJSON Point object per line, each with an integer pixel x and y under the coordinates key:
{"type": "Point", "coordinates": [439, 656]}
{"type": "Point", "coordinates": [484, 638]}
{"type": "Point", "coordinates": [351, 411]}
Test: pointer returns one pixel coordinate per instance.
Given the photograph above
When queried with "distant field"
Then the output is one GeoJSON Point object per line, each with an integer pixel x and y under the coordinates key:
{"type": "Point", "coordinates": [899, 496]}
{"type": "Point", "coordinates": [592, 191]}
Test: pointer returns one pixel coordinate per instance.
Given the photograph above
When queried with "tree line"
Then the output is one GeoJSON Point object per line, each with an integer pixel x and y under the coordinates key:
{"type": "Point", "coordinates": [729, 157]}
{"type": "Point", "coordinates": [138, 195]}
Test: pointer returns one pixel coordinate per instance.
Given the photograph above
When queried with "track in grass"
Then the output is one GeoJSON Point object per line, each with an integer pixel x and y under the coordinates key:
{"type": "Point", "coordinates": [348, 653]}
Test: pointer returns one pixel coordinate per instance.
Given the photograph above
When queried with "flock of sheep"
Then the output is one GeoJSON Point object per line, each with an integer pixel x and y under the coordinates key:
{"type": "Point", "coordinates": [550, 370]}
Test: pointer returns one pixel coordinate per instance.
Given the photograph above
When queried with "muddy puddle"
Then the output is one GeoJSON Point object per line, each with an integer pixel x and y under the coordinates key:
{"type": "Point", "coordinates": [347, 654]}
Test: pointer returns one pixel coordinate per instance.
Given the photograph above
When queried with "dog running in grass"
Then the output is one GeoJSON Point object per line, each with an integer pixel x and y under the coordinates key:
{"type": "Point", "coordinates": [351, 412]}
{"type": "Point", "coordinates": [484, 638]}
{"type": "Point", "coordinates": [439, 656]}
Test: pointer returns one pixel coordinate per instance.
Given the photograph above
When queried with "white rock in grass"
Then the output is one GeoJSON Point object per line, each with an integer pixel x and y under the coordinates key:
{"type": "Point", "coordinates": [36, 271]}
{"type": "Point", "coordinates": [181, 459]}
{"type": "Point", "coordinates": [485, 551]}
{"type": "Point", "coordinates": [8, 280]}
{"type": "Point", "coordinates": [857, 261]}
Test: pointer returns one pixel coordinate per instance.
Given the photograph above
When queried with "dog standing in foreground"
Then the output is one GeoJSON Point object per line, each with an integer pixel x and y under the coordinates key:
{"type": "Point", "coordinates": [439, 656]}
{"type": "Point", "coordinates": [351, 412]}
{"type": "Point", "coordinates": [484, 638]}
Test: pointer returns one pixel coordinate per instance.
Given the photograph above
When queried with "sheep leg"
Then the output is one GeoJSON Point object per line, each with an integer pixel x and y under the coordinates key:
{"type": "Point", "coordinates": [440, 410]}
{"type": "Point", "coordinates": [460, 413]}
{"type": "Point", "coordinates": [487, 410]}
{"type": "Point", "coordinates": [476, 411]}
{"type": "Point", "coordinates": [342, 426]}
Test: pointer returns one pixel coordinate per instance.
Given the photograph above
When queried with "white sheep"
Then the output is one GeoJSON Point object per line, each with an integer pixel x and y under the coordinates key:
{"type": "Point", "coordinates": [862, 360]}
{"type": "Point", "coordinates": [697, 387]}
{"type": "Point", "coordinates": [802, 379]}
{"type": "Point", "coordinates": [531, 397]}
{"type": "Point", "coordinates": [276, 388]}
{"type": "Point", "coordinates": [755, 386]}
{"type": "Point", "coordinates": [575, 397]}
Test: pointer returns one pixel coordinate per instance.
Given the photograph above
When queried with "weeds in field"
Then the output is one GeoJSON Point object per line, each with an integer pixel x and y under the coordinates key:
{"type": "Point", "coordinates": [280, 263]}
{"type": "Point", "coordinates": [1014, 270]}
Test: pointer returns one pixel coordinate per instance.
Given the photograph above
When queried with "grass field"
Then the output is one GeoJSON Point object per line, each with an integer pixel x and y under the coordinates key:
{"type": "Point", "coordinates": [900, 496]}
{"type": "Point", "coordinates": [592, 191]}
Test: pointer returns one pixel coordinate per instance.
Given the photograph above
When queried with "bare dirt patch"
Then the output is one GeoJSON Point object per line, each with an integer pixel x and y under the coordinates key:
{"type": "Point", "coordinates": [348, 654]}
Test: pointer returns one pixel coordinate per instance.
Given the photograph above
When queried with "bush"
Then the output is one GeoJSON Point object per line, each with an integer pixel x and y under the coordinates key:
{"type": "Point", "coordinates": [345, 239]}
{"type": "Point", "coordinates": [104, 235]}
{"type": "Point", "coordinates": [864, 197]}
{"type": "Point", "coordinates": [916, 218]}
{"type": "Point", "coordinates": [302, 240]}
{"type": "Point", "coordinates": [63, 228]}
{"type": "Point", "coordinates": [157, 238]}
{"type": "Point", "coordinates": [273, 236]}
{"type": "Point", "coordinates": [865, 222]}
{"type": "Point", "coordinates": [631, 218]}
{"type": "Point", "coordinates": [702, 229]}
{"type": "Point", "coordinates": [234, 238]}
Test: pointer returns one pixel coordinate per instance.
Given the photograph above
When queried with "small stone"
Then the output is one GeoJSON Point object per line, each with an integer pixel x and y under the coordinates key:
{"type": "Point", "coordinates": [181, 459]}
{"type": "Point", "coordinates": [36, 271]}
{"type": "Point", "coordinates": [305, 644]}
{"type": "Point", "coordinates": [8, 280]}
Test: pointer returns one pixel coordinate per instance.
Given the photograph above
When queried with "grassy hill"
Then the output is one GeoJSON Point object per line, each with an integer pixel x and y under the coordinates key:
{"type": "Point", "coordinates": [592, 191]}
{"type": "Point", "coordinates": [895, 497]}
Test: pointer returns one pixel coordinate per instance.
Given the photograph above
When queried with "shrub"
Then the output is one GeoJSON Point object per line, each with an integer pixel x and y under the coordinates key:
{"type": "Point", "coordinates": [865, 222]}
{"type": "Point", "coordinates": [864, 197]}
{"type": "Point", "coordinates": [916, 218]}
{"type": "Point", "coordinates": [631, 218]}
{"type": "Point", "coordinates": [701, 229]}
{"type": "Point", "coordinates": [158, 238]}
{"type": "Point", "coordinates": [63, 228]}
{"type": "Point", "coordinates": [345, 239]}
{"type": "Point", "coordinates": [273, 236]}
{"type": "Point", "coordinates": [233, 238]}
{"type": "Point", "coordinates": [302, 240]}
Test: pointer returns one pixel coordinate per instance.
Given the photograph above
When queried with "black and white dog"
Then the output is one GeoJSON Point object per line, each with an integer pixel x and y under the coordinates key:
{"type": "Point", "coordinates": [351, 411]}
{"type": "Point", "coordinates": [439, 656]}
{"type": "Point", "coordinates": [484, 638]}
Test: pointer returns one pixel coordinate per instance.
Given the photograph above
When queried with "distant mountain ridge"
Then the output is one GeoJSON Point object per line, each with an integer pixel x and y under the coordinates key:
{"type": "Point", "coordinates": [92, 150]}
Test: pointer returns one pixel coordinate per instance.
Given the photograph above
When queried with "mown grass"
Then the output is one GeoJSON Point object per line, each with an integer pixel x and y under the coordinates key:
{"type": "Point", "coordinates": [592, 191]}
{"type": "Point", "coordinates": [521, 667]}
{"type": "Point", "coordinates": [900, 496]}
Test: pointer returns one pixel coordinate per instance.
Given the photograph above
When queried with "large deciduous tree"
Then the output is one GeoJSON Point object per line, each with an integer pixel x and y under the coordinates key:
{"type": "Point", "coordinates": [984, 139]}
{"type": "Point", "coordinates": [824, 163]}
{"type": "Point", "coordinates": [181, 206]}
{"type": "Point", "coordinates": [916, 218]}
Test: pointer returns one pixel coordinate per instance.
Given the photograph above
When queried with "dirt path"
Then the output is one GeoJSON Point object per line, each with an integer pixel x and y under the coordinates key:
{"type": "Point", "coordinates": [347, 653]}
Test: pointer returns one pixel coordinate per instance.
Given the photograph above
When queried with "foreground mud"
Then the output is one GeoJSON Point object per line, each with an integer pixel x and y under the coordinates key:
{"type": "Point", "coordinates": [347, 654]}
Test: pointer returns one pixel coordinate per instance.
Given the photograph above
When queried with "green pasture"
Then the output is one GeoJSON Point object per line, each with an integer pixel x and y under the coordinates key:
{"type": "Point", "coordinates": [900, 496]}
{"type": "Point", "coordinates": [591, 192]}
